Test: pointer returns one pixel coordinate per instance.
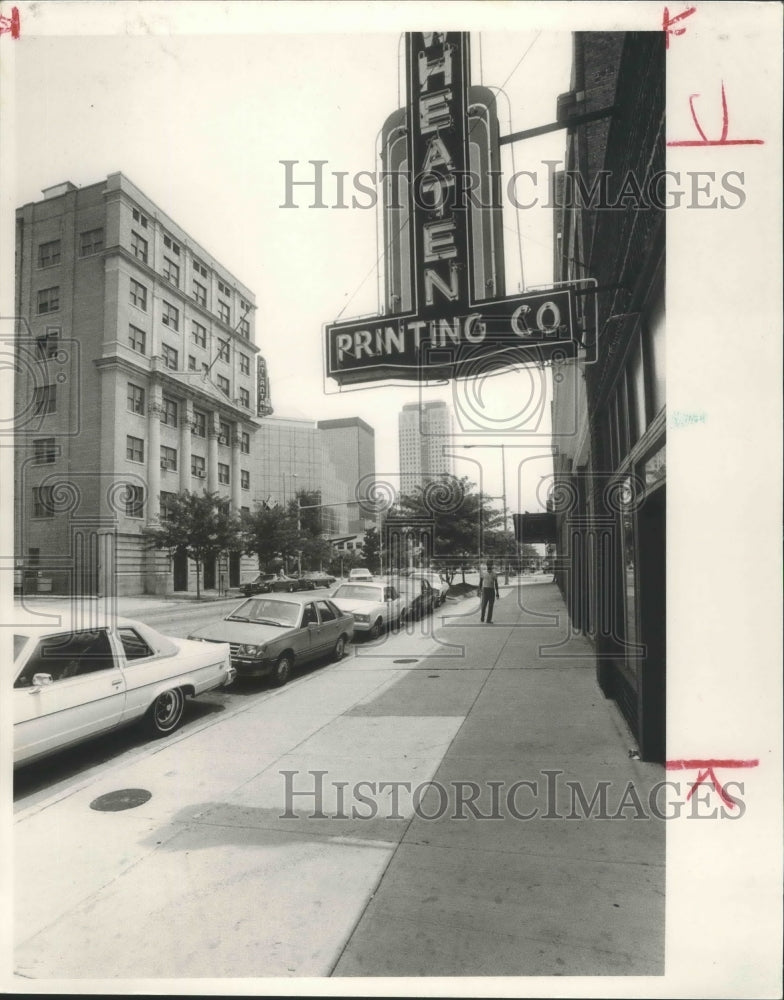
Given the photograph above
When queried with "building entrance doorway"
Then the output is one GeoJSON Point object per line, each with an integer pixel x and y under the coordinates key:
{"type": "Point", "coordinates": [234, 569]}
{"type": "Point", "coordinates": [209, 573]}
{"type": "Point", "coordinates": [180, 570]}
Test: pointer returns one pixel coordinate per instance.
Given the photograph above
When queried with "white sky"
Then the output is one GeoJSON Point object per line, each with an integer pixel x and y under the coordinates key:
{"type": "Point", "coordinates": [200, 125]}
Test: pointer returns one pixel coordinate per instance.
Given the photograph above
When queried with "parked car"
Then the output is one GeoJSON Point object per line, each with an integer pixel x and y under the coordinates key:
{"type": "Point", "coordinates": [360, 573]}
{"type": "Point", "coordinates": [261, 585]}
{"type": "Point", "coordinates": [319, 579]}
{"type": "Point", "coordinates": [374, 606]}
{"type": "Point", "coordinates": [73, 682]}
{"type": "Point", "coordinates": [436, 582]}
{"type": "Point", "coordinates": [272, 634]}
{"type": "Point", "coordinates": [419, 597]}
{"type": "Point", "coordinates": [290, 584]}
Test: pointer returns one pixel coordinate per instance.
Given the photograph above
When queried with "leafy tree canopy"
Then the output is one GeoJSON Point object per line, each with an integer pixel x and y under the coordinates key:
{"type": "Point", "coordinates": [202, 524]}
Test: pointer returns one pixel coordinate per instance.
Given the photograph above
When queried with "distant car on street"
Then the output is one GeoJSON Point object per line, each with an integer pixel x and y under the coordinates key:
{"type": "Point", "coordinates": [261, 585]}
{"type": "Point", "coordinates": [271, 634]}
{"type": "Point", "coordinates": [319, 579]}
{"type": "Point", "coordinates": [74, 681]}
{"type": "Point", "coordinates": [419, 597]}
{"type": "Point", "coordinates": [290, 584]}
{"type": "Point", "coordinates": [358, 574]}
{"type": "Point", "coordinates": [436, 582]}
{"type": "Point", "coordinates": [375, 605]}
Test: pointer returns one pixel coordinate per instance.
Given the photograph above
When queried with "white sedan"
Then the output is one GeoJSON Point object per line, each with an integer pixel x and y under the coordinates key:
{"type": "Point", "coordinates": [75, 680]}
{"type": "Point", "coordinates": [374, 606]}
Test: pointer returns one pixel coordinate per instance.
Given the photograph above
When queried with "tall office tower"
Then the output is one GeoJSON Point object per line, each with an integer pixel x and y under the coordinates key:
{"type": "Point", "coordinates": [135, 381]}
{"type": "Point", "coordinates": [350, 444]}
{"type": "Point", "coordinates": [424, 432]}
{"type": "Point", "coordinates": [289, 457]}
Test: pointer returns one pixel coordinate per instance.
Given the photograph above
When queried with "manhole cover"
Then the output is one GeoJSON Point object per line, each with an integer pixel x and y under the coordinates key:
{"type": "Point", "coordinates": [404, 660]}
{"type": "Point", "coordinates": [126, 798]}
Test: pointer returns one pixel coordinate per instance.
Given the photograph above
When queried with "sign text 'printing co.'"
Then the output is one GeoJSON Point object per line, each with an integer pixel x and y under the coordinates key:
{"type": "Point", "coordinates": [450, 327]}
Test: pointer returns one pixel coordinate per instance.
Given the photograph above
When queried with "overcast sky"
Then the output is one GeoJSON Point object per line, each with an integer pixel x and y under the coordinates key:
{"type": "Point", "coordinates": [201, 124]}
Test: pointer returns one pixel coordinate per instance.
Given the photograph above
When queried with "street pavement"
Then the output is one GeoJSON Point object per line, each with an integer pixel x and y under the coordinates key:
{"type": "Point", "coordinates": [380, 863]}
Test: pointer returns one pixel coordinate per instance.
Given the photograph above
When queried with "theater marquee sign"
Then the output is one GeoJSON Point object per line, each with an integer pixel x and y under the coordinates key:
{"type": "Point", "coordinates": [450, 332]}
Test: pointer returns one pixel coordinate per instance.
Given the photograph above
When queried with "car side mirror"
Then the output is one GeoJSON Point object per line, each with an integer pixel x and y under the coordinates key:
{"type": "Point", "coordinates": [42, 680]}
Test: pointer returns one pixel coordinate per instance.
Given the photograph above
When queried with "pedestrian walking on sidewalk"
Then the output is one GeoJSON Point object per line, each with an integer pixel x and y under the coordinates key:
{"type": "Point", "coordinates": [489, 589]}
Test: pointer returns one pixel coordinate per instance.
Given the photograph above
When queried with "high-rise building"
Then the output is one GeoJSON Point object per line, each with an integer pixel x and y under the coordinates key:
{"type": "Point", "coordinates": [350, 444]}
{"type": "Point", "coordinates": [289, 457]}
{"type": "Point", "coordinates": [135, 381]}
{"type": "Point", "coordinates": [424, 433]}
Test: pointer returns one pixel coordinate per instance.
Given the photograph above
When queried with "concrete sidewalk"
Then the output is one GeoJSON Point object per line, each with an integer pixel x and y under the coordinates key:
{"type": "Point", "coordinates": [134, 605]}
{"type": "Point", "coordinates": [478, 890]}
{"type": "Point", "coordinates": [225, 873]}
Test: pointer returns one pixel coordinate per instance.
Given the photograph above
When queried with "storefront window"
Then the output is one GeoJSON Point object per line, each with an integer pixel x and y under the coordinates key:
{"type": "Point", "coordinates": [629, 567]}
{"type": "Point", "coordinates": [637, 386]}
{"type": "Point", "coordinates": [658, 358]}
{"type": "Point", "coordinates": [655, 469]}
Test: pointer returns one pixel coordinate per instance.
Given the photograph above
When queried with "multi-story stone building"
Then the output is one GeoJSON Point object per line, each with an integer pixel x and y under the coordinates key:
{"type": "Point", "coordinates": [424, 432]}
{"type": "Point", "coordinates": [136, 380]}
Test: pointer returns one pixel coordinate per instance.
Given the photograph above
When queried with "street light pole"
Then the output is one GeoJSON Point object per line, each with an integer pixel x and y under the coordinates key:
{"type": "Point", "coordinates": [503, 491]}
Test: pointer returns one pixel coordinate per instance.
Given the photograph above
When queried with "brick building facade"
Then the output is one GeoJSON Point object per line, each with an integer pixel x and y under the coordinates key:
{"type": "Point", "coordinates": [609, 416]}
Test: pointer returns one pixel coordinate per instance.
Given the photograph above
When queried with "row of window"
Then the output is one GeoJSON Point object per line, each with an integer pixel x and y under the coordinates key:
{"type": "Point", "coordinates": [44, 504]}
{"type": "Point", "coordinates": [172, 272]}
{"type": "Point", "coordinates": [134, 452]}
{"type": "Point", "coordinates": [170, 316]}
{"type": "Point", "coordinates": [136, 399]}
{"type": "Point", "coordinates": [90, 242]}
{"type": "Point", "coordinates": [48, 301]}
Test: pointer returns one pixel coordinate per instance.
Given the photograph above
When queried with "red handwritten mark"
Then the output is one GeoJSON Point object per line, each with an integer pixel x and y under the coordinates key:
{"type": "Point", "coordinates": [725, 127]}
{"type": "Point", "coordinates": [10, 23]}
{"type": "Point", "coordinates": [705, 772]}
{"type": "Point", "coordinates": [667, 21]}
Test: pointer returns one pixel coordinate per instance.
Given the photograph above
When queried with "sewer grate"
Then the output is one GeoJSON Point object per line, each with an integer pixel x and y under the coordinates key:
{"type": "Point", "coordinates": [406, 660]}
{"type": "Point", "coordinates": [126, 798]}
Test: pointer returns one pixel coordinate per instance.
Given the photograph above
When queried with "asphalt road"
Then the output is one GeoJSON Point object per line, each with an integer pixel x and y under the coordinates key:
{"type": "Point", "coordinates": [42, 778]}
{"type": "Point", "coordinates": [61, 771]}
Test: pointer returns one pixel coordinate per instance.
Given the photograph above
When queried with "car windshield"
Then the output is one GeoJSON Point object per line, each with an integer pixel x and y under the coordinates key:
{"type": "Point", "coordinates": [266, 611]}
{"type": "Point", "coordinates": [359, 592]}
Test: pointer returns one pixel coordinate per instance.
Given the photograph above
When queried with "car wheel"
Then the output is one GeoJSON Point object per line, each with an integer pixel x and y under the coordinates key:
{"type": "Point", "coordinates": [165, 713]}
{"type": "Point", "coordinates": [340, 648]}
{"type": "Point", "coordinates": [375, 629]}
{"type": "Point", "coordinates": [282, 669]}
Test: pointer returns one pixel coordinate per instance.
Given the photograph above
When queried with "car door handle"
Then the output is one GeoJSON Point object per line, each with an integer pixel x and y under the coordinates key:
{"type": "Point", "coordinates": [116, 683]}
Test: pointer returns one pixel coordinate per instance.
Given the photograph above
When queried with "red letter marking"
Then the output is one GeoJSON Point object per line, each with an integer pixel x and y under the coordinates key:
{"type": "Point", "coordinates": [667, 21]}
{"type": "Point", "coordinates": [725, 127]}
{"type": "Point", "coordinates": [10, 23]}
{"type": "Point", "coordinates": [705, 772]}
